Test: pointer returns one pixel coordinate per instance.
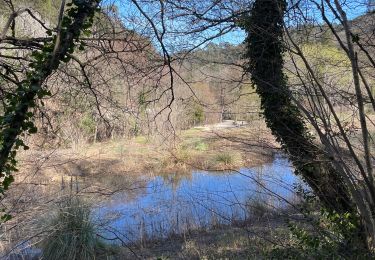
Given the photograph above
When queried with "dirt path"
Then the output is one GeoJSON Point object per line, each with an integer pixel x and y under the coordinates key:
{"type": "Point", "coordinates": [226, 124]}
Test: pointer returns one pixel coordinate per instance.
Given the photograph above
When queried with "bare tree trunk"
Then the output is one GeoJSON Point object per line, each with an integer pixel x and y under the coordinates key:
{"type": "Point", "coordinates": [361, 108]}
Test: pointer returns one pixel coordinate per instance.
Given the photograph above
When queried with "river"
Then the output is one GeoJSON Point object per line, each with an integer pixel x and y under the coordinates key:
{"type": "Point", "coordinates": [176, 203]}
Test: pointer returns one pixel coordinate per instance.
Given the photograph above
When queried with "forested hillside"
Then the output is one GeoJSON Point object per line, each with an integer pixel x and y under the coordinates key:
{"type": "Point", "coordinates": [106, 90]}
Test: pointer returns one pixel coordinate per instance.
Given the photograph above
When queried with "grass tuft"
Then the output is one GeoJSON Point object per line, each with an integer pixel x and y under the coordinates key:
{"type": "Point", "coordinates": [72, 234]}
{"type": "Point", "coordinates": [201, 146]}
{"type": "Point", "coordinates": [225, 158]}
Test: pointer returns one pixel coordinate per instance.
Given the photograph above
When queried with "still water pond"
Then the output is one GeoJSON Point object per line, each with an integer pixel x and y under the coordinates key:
{"type": "Point", "coordinates": [173, 204]}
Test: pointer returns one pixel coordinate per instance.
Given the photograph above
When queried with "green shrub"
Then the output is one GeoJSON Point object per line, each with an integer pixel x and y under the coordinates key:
{"type": "Point", "coordinates": [87, 124]}
{"type": "Point", "coordinates": [196, 114]}
{"type": "Point", "coordinates": [323, 235]}
{"type": "Point", "coordinates": [225, 158]}
{"type": "Point", "coordinates": [72, 235]}
{"type": "Point", "coordinates": [201, 146]}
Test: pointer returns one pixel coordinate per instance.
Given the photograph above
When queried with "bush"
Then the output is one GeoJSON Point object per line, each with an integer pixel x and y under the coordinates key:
{"type": "Point", "coordinates": [201, 146]}
{"type": "Point", "coordinates": [73, 233]}
{"type": "Point", "coordinates": [225, 158]}
{"type": "Point", "coordinates": [87, 124]}
{"type": "Point", "coordinates": [323, 234]}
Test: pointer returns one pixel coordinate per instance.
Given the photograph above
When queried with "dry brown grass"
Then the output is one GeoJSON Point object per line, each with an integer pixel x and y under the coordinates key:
{"type": "Point", "coordinates": [222, 243]}
{"type": "Point", "coordinates": [222, 149]}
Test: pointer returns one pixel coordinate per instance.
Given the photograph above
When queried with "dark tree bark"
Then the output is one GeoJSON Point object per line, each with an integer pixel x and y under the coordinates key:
{"type": "Point", "coordinates": [264, 51]}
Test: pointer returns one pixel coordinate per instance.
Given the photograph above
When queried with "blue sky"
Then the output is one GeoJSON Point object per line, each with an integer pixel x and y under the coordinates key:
{"type": "Point", "coordinates": [133, 19]}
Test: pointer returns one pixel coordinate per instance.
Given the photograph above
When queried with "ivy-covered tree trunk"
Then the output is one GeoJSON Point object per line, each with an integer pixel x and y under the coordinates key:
{"type": "Point", "coordinates": [17, 118]}
{"type": "Point", "coordinates": [264, 27]}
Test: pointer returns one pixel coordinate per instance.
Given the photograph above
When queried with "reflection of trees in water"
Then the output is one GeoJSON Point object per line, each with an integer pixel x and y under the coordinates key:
{"type": "Point", "coordinates": [126, 188]}
{"type": "Point", "coordinates": [260, 202]}
{"type": "Point", "coordinates": [174, 179]}
{"type": "Point", "coordinates": [179, 203]}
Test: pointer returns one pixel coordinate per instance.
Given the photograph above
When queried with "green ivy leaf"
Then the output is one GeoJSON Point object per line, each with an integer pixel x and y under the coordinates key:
{"type": "Point", "coordinates": [7, 181]}
{"type": "Point", "coordinates": [33, 130]}
{"type": "Point", "coordinates": [6, 217]}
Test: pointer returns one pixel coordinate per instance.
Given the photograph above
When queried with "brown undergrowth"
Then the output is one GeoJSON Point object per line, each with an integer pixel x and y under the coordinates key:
{"type": "Point", "coordinates": [196, 148]}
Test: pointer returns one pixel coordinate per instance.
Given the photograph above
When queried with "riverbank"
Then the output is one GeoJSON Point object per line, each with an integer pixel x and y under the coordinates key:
{"type": "Point", "coordinates": [202, 148]}
{"type": "Point", "coordinates": [226, 242]}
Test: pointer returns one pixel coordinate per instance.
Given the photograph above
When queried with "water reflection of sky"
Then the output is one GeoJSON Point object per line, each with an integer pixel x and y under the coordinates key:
{"type": "Point", "coordinates": [178, 203]}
